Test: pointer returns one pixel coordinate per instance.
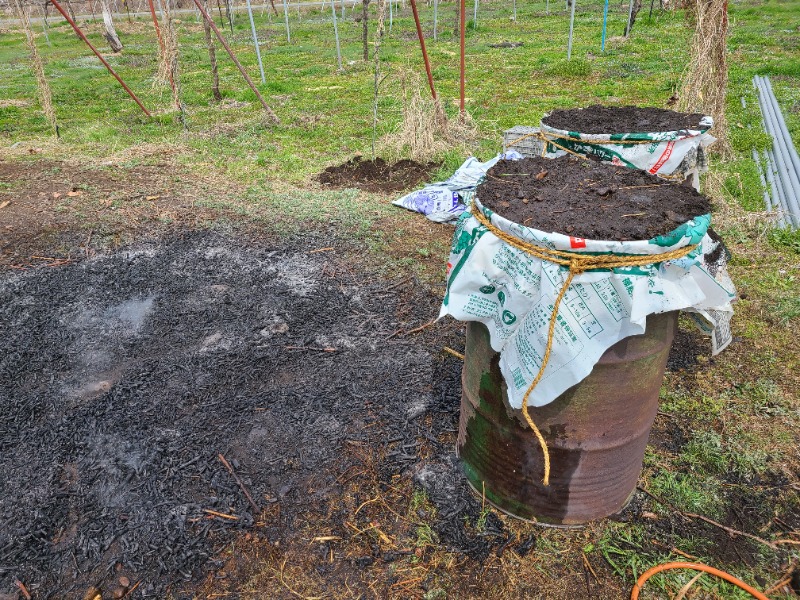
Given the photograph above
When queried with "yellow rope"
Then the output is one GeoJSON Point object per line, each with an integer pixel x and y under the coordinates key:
{"type": "Point", "coordinates": [577, 263]}
{"type": "Point", "coordinates": [565, 149]}
{"type": "Point", "coordinates": [546, 137]}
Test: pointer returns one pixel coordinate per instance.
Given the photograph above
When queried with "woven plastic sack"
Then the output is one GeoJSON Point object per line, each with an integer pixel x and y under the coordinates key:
{"type": "Point", "coordinates": [444, 202]}
{"type": "Point", "coordinates": [673, 155]}
{"type": "Point", "coordinates": [513, 294]}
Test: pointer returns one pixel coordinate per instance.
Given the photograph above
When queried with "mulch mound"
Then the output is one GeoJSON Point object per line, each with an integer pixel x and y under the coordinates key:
{"type": "Point", "coordinates": [589, 199]}
{"type": "Point", "coordinates": [377, 175]}
{"type": "Point", "coordinates": [124, 377]}
{"type": "Point", "coordinates": [621, 119]}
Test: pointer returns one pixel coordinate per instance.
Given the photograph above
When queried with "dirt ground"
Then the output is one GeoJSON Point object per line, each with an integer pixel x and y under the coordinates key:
{"type": "Point", "coordinates": [377, 175]}
{"type": "Point", "coordinates": [207, 413]}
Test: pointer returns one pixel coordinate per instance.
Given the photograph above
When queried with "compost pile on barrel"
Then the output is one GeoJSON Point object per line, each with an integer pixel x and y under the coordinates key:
{"type": "Point", "coordinates": [125, 376]}
{"type": "Point", "coordinates": [588, 199]}
{"type": "Point", "coordinates": [617, 119]}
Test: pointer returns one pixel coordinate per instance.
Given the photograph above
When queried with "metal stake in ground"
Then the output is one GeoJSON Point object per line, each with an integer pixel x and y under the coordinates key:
{"type": "Point", "coordinates": [605, 21]}
{"type": "Point", "coordinates": [336, 35]}
{"type": "Point", "coordinates": [255, 41]}
{"type": "Point", "coordinates": [463, 67]}
{"type": "Point", "coordinates": [376, 80]}
{"type": "Point", "coordinates": [155, 24]}
{"type": "Point", "coordinates": [286, 21]}
{"type": "Point", "coordinates": [571, 27]}
{"type": "Point", "coordinates": [239, 66]}
{"type": "Point", "coordinates": [102, 60]}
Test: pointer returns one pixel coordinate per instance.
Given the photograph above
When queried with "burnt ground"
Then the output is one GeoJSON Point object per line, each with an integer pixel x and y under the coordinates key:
{"type": "Point", "coordinates": [377, 175]}
{"type": "Point", "coordinates": [621, 119]}
{"type": "Point", "coordinates": [126, 373]}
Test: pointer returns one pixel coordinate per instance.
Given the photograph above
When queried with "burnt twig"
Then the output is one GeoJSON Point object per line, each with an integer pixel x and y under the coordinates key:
{"type": "Point", "coordinates": [228, 466]}
{"type": "Point", "coordinates": [421, 327]}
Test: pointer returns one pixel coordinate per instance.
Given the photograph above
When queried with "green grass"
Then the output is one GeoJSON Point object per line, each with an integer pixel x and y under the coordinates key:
{"type": "Point", "coordinates": [302, 82]}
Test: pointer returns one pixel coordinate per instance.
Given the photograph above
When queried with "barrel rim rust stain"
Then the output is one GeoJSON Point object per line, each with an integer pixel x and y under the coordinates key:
{"type": "Point", "coordinates": [596, 431]}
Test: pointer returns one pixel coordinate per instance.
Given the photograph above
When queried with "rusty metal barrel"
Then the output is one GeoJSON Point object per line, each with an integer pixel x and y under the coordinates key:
{"type": "Point", "coordinates": [596, 431]}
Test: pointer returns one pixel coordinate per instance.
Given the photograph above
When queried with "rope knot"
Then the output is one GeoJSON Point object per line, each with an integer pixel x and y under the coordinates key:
{"type": "Point", "coordinates": [577, 265]}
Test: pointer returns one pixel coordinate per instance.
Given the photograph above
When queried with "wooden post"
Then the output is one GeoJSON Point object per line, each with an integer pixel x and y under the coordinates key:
{"type": "Point", "coordinates": [212, 57]}
{"type": "Point", "coordinates": [108, 23]}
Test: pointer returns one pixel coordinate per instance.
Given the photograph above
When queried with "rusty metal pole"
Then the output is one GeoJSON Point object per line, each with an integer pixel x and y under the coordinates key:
{"type": "Point", "coordinates": [155, 24]}
{"type": "Point", "coordinates": [102, 60]}
{"type": "Point", "coordinates": [422, 47]}
{"type": "Point", "coordinates": [225, 45]}
{"type": "Point", "coordinates": [463, 68]}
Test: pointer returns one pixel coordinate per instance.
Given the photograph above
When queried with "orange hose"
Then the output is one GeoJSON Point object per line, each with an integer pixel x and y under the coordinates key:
{"type": "Point", "coordinates": [697, 567]}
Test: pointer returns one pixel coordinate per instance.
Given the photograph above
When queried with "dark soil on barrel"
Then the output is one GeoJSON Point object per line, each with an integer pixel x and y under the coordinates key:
{"type": "Point", "coordinates": [377, 175]}
{"type": "Point", "coordinates": [621, 119]}
{"type": "Point", "coordinates": [588, 199]}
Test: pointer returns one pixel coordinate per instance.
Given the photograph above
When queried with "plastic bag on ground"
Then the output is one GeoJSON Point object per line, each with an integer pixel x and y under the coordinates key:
{"type": "Point", "coordinates": [444, 202]}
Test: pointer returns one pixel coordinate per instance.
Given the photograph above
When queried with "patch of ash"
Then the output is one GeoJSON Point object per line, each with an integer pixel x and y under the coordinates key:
{"type": "Point", "coordinates": [417, 406]}
{"type": "Point", "coordinates": [298, 273]}
{"type": "Point", "coordinates": [125, 376]}
{"type": "Point", "coordinates": [455, 503]}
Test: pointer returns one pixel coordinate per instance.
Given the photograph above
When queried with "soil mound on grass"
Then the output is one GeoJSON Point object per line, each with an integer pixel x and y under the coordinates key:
{"type": "Point", "coordinates": [589, 199]}
{"type": "Point", "coordinates": [377, 175]}
{"type": "Point", "coordinates": [621, 119]}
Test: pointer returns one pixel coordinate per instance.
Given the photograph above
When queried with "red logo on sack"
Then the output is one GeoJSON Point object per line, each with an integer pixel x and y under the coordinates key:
{"type": "Point", "coordinates": [664, 158]}
{"type": "Point", "coordinates": [576, 242]}
{"type": "Point", "coordinates": [449, 266]}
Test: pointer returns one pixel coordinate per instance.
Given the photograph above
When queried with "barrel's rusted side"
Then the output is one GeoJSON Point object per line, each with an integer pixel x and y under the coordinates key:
{"type": "Point", "coordinates": [596, 431]}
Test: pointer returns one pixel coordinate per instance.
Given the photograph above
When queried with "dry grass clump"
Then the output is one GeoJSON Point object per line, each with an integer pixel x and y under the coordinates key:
{"type": "Point", "coordinates": [168, 58]}
{"type": "Point", "coordinates": [425, 132]}
{"type": "Point", "coordinates": [705, 80]}
{"type": "Point", "coordinates": [45, 97]}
